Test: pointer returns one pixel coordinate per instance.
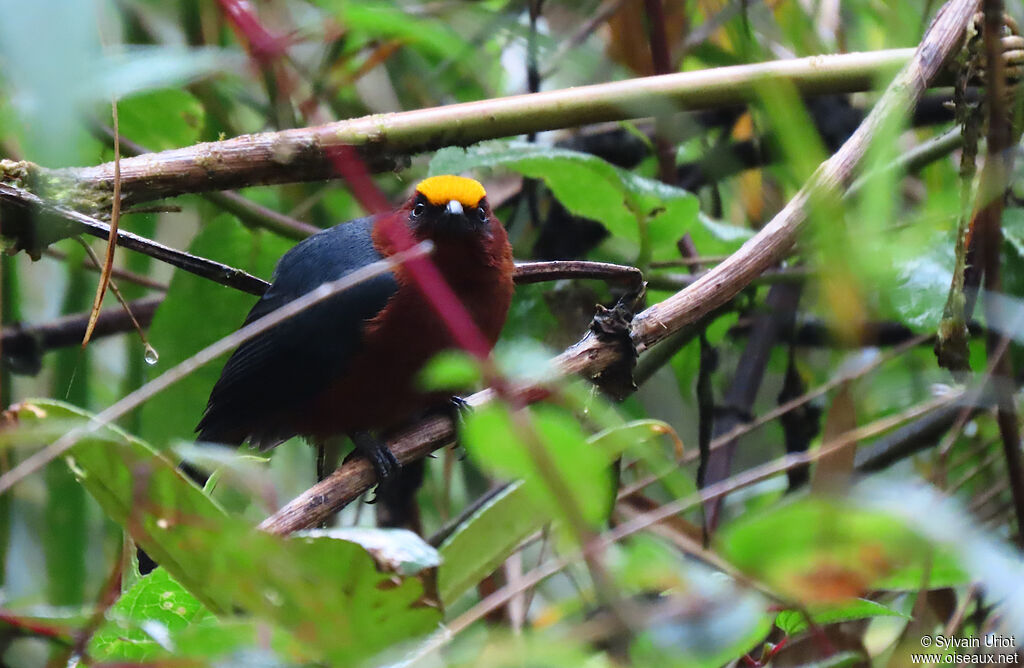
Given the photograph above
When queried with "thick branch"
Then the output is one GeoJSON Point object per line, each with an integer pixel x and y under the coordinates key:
{"type": "Point", "coordinates": [713, 289]}
{"type": "Point", "coordinates": [301, 154]}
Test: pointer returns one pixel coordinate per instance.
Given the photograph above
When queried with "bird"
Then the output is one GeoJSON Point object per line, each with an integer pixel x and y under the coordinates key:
{"type": "Point", "coordinates": [349, 365]}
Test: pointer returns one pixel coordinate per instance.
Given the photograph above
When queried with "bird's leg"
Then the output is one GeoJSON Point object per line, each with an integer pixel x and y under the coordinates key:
{"type": "Point", "coordinates": [328, 452]}
{"type": "Point", "coordinates": [376, 451]}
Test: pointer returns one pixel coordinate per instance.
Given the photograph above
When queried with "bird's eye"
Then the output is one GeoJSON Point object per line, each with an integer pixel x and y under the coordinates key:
{"type": "Point", "coordinates": [418, 210]}
{"type": "Point", "coordinates": [481, 214]}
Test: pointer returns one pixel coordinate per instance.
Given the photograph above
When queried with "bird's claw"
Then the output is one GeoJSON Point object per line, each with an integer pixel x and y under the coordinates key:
{"type": "Point", "coordinates": [384, 463]}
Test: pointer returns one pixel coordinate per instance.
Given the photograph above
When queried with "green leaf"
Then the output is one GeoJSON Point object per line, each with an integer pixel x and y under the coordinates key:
{"type": "Point", "coordinates": [346, 602]}
{"type": "Point", "coordinates": [382, 20]}
{"type": "Point", "coordinates": [792, 622]}
{"type": "Point", "coordinates": [450, 370]}
{"type": "Point", "coordinates": [174, 333]}
{"type": "Point", "coordinates": [161, 119]}
{"type": "Point", "coordinates": [156, 601]}
{"type": "Point", "coordinates": [585, 184]}
{"type": "Point", "coordinates": [485, 540]}
{"type": "Point", "coordinates": [821, 550]}
{"type": "Point", "coordinates": [495, 440]}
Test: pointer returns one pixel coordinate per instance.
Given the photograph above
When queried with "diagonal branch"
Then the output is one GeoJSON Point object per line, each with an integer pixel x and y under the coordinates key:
{"type": "Point", "coordinates": [716, 287]}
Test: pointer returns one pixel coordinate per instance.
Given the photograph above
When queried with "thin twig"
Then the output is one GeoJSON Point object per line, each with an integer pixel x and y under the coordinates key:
{"type": "Point", "coordinates": [119, 274]}
{"type": "Point", "coordinates": [68, 330]}
{"type": "Point", "coordinates": [125, 306]}
{"type": "Point", "coordinates": [79, 223]}
{"type": "Point", "coordinates": [538, 272]}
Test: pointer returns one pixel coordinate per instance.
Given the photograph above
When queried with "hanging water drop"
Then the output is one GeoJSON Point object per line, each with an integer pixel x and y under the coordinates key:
{"type": "Point", "coordinates": [151, 355]}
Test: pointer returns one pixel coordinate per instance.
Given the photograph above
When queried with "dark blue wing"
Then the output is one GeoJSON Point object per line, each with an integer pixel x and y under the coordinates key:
{"type": "Point", "coordinates": [274, 374]}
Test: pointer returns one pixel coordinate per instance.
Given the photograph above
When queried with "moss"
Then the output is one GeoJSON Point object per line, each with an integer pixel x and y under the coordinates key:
{"type": "Point", "coordinates": [16, 172]}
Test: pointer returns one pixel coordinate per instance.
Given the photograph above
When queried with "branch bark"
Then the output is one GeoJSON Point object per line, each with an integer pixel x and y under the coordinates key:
{"type": "Point", "coordinates": [712, 290]}
{"type": "Point", "coordinates": [303, 154]}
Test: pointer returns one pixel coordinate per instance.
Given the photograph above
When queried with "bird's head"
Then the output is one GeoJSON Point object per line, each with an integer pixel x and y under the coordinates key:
{"type": "Point", "coordinates": [449, 206]}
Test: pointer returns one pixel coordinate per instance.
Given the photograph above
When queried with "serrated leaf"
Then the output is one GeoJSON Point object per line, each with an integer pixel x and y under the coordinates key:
{"type": "Point", "coordinates": [329, 590]}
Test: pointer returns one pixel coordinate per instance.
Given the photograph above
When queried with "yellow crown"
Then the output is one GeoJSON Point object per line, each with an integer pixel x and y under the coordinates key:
{"type": "Point", "coordinates": [439, 190]}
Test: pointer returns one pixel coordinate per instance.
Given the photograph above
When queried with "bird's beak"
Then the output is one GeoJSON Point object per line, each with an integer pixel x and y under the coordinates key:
{"type": "Point", "coordinates": [454, 208]}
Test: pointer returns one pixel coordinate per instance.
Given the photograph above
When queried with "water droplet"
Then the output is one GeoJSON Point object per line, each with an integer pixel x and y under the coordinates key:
{"type": "Point", "coordinates": [151, 355]}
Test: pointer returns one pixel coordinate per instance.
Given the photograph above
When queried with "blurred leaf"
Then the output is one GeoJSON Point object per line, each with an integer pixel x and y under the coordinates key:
{"type": "Point", "coordinates": [793, 129]}
{"type": "Point", "coordinates": [450, 370]}
{"type": "Point", "coordinates": [384, 20]}
{"type": "Point", "coordinates": [136, 68]}
{"type": "Point", "coordinates": [792, 622]}
{"type": "Point", "coordinates": [345, 604]}
{"type": "Point", "coordinates": [47, 49]}
{"type": "Point", "coordinates": [66, 537]}
{"type": "Point", "coordinates": [396, 551]}
{"type": "Point", "coordinates": [494, 441]}
{"type": "Point", "coordinates": [986, 557]}
{"type": "Point", "coordinates": [485, 540]}
{"type": "Point", "coordinates": [833, 471]}
{"type": "Point", "coordinates": [716, 622]}
{"type": "Point", "coordinates": [174, 333]}
{"type": "Point", "coordinates": [161, 119]}
{"type": "Point", "coordinates": [819, 550]}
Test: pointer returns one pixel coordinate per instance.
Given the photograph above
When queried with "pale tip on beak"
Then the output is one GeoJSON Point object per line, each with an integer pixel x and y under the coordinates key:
{"type": "Point", "coordinates": [454, 208]}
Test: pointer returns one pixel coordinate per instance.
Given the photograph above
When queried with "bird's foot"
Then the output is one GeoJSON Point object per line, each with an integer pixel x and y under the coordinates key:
{"type": "Point", "coordinates": [384, 463]}
{"type": "Point", "coordinates": [460, 408]}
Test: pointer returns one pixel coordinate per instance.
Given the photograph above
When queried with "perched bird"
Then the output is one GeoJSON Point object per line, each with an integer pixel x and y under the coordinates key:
{"type": "Point", "coordinates": [349, 365]}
